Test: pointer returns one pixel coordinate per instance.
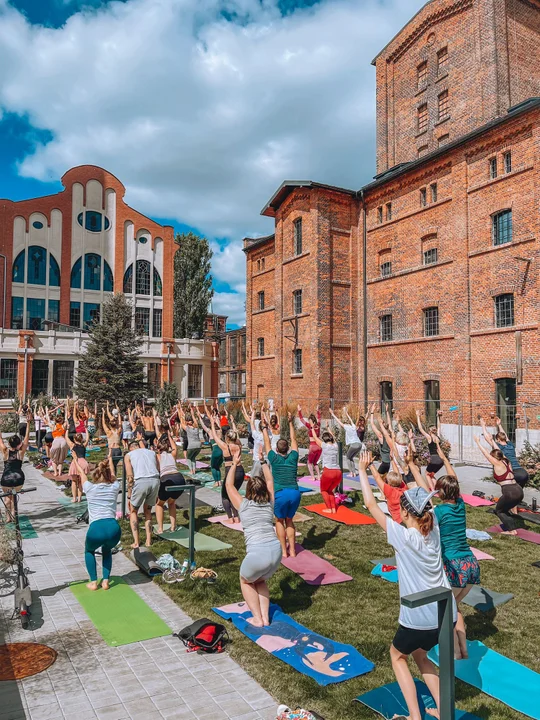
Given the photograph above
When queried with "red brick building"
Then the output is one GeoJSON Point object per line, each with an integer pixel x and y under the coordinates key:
{"type": "Point", "coordinates": [231, 370]}
{"type": "Point", "coordinates": [420, 287]}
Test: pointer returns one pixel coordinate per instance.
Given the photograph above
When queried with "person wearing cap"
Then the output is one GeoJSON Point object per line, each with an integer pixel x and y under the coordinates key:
{"type": "Point", "coordinates": [417, 545]}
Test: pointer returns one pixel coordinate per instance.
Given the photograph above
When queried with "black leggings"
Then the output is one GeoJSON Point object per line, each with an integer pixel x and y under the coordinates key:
{"type": "Point", "coordinates": [229, 508]}
{"type": "Point", "coordinates": [40, 434]}
{"type": "Point", "coordinates": [511, 496]}
{"type": "Point", "coordinates": [521, 476]}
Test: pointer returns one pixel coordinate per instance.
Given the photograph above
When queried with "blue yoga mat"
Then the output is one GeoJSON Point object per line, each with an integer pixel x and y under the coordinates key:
{"type": "Point", "coordinates": [314, 655]}
{"type": "Point", "coordinates": [388, 701]}
{"type": "Point", "coordinates": [506, 680]}
{"type": "Point", "coordinates": [305, 489]}
{"type": "Point", "coordinates": [391, 575]}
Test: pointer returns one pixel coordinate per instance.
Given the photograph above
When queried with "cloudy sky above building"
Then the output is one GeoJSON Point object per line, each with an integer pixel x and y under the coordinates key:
{"type": "Point", "coordinates": [201, 107]}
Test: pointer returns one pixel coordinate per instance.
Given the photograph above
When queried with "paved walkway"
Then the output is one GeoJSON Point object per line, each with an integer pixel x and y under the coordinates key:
{"type": "Point", "coordinates": [150, 679]}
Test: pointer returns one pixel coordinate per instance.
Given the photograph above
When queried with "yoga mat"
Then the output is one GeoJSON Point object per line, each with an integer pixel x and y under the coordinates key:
{"type": "Point", "coordinates": [384, 561]}
{"type": "Point", "coordinates": [343, 515]}
{"type": "Point", "coordinates": [384, 507]}
{"type": "Point", "coordinates": [388, 701]}
{"type": "Point", "coordinates": [198, 464]}
{"type": "Point", "coordinates": [480, 598]}
{"type": "Point", "coordinates": [530, 517]}
{"type": "Point", "coordinates": [475, 501]}
{"type": "Point", "coordinates": [527, 535]}
{"type": "Point", "coordinates": [506, 680]}
{"type": "Point", "coordinates": [316, 656]}
{"type": "Point", "coordinates": [224, 520]}
{"type": "Point", "coordinates": [305, 489]}
{"type": "Point", "coordinates": [481, 555]}
{"type": "Point", "coordinates": [119, 615]}
{"type": "Point", "coordinates": [312, 483]}
{"type": "Point", "coordinates": [59, 479]}
{"type": "Point", "coordinates": [71, 507]}
{"type": "Point", "coordinates": [313, 569]}
{"type": "Point", "coordinates": [26, 528]}
{"type": "Point", "coordinates": [371, 479]}
{"type": "Point", "coordinates": [390, 576]}
{"type": "Point", "coordinates": [203, 543]}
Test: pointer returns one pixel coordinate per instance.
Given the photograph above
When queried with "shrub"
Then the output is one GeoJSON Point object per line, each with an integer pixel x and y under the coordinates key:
{"type": "Point", "coordinates": [529, 458]}
{"type": "Point", "coordinates": [9, 422]}
{"type": "Point", "coordinates": [167, 397]}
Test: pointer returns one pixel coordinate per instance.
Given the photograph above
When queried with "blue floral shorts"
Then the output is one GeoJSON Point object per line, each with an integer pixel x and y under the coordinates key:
{"type": "Point", "coordinates": [462, 571]}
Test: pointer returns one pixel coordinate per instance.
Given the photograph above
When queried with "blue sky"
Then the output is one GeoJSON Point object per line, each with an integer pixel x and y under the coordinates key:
{"type": "Point", "coordinates": [201, 107]}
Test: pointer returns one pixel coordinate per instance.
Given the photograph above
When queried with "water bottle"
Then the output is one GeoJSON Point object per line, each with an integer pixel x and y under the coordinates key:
{"type": "Point", "coordinates": [185, 566]}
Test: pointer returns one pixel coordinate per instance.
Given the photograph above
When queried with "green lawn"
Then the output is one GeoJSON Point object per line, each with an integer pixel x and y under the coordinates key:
{"type": "Point", "coordinates": [362, 612]}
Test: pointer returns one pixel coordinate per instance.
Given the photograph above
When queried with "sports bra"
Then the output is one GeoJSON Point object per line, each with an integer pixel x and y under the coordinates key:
{"type": "Point", "coordinates": [504, 476]}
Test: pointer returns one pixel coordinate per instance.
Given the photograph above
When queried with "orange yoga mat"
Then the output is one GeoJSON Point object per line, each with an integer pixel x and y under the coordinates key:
{"type": "Point", "coordinates": [343, 515]}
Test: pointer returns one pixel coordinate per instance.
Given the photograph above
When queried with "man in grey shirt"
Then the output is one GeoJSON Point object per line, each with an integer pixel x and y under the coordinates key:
{"type": "Point", "coordinates": [142, 474]}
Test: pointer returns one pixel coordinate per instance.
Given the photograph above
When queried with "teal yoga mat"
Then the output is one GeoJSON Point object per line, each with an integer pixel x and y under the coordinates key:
{"type": "Point", "coordinates": [26, 528]}
{"type": "Point", "coordinates": [71, 507]}
{"type": "Point", "coordinates": [506, 680]}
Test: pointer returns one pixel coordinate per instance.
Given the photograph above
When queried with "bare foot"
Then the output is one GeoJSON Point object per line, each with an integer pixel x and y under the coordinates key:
{"type": "Point", "coordinates": [135, 546]}
{"type": "Point", "coordinates": [433, 712]}
{"type": "Point", "coordinates": [92, 585]}
{"type": "Point", "coordinates": [327, 510]}
{"type": "Point", "coordinates": [266, 622]}
{"type": "Point", "coordinates": [160, 530]}
{"type": "Point", "coordinates": [513, 533]}
{"type": "Point", "coordinates": [172, 529]}
{"type": "Point", "coordinates": [292, 553]}
{"type": "Point", "coordinates": [74, 500]}
{"type": "Point", "coordinates": [334, 511]}
{"type": "Point", "coordinates": [284, 555]}
{"type": "Point", "coordinates": [256, 623]}
{"type": "Point", "coordinates": [105, 584]}
{"type": "Point", "coordinates": [236, 520]}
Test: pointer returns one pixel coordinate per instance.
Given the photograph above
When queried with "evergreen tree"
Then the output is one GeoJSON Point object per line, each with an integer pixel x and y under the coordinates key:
{"type": "Point", "coordinates": [192, 284]}
{"type": "Point", "coordinates": [110, 367]}
{"type": "Point", "coordinates": [166, 398]}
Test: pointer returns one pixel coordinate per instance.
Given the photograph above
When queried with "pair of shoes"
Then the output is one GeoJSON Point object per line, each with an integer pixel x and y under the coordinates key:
{"type": "Point", "coordinates": [285, 713]}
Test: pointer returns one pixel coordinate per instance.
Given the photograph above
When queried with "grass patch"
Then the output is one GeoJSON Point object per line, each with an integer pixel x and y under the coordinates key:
{"type": "Point", "coordinates": [362, 612]}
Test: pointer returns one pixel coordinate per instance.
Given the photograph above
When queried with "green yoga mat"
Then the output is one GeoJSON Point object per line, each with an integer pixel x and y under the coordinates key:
{"type": "Point", "coordinates": [70, 506]}
{"type": "Point", "coordinates": [120, 616]}
{"type": "Point", "coordinates": [26, 528]}
{"type": "Point", "coordinates": [203, 543]}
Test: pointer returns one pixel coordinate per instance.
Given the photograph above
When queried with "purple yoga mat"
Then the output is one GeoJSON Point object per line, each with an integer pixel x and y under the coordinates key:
{"type": "Point", "coordinates": [313, 569]}
{"type": "Point", "coordinates": [200, 465]}
{"type": "Point", "coordinates": [528, 535]}
{"type": "Point", "coordinates": [312, 483]}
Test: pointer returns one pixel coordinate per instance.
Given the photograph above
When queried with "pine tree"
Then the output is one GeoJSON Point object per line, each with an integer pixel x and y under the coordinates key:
{"type": "Point", "coordinates": [192, 284]}
{"type": "Point", "coordinates": [110, 367]}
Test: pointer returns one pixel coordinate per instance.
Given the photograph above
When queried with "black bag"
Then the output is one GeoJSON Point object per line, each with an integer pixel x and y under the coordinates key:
{"type": "Point", "coordinates": [250, 441]}
{"type": "Point", "coordinates": [85, 518]}
{"type": "Point", "coordinates": [204, 636]}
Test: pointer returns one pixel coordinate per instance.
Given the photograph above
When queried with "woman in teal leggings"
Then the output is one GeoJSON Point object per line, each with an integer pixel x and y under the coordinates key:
{"type": "Point", "coordinates": [103, 531]}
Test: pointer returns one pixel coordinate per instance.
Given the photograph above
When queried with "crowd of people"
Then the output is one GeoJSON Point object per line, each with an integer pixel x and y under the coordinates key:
{"type": "Point", "coordinates": [429, 540]}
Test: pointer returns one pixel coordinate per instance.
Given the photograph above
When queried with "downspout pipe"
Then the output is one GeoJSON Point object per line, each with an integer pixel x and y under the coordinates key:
{"type": "Point", "coordinates": [364, 301]}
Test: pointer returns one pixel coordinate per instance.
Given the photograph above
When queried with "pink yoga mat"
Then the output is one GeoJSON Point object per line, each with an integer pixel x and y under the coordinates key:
{"type": "Point", "coordinates": [313, 569]}
{"type": "Point", "coordinates": [476, 501]}
{"type": "Point", "coordinates": [311, 482]}
{"type": "Point", "coordinates": [481, 555]}
{"type": "Point", "coordinates": [224, 520]}
{"type": "Point", "coordinates": [200, 465]}
{"type": "Point", "coordinates": [522, 534]}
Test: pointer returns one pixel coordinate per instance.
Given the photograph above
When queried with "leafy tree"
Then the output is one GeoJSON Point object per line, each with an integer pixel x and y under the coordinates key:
{"type": "Point", "coordinates": [110, 367]}
{"type": "Point", "coordinates": [192, 284]}
{"type": "Point", "coordinates": [167, 397]}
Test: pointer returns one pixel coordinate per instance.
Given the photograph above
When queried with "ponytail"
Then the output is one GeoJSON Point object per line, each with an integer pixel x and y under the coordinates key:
{"type": "Point", "coordinates": [425, 523]}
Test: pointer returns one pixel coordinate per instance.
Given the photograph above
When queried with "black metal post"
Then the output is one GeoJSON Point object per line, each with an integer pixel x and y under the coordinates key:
{"type": "Point", "coordinates": [443, 597]}
{"type": "Point", "coordinates": [340, 460]}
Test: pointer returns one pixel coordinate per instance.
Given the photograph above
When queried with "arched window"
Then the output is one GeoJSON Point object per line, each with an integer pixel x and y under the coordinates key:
{"type": "Point", "coordinates": [107, 277]}
{"type": "Point", "coordinates": [37, 265]}
{"type": "Point", "coordinates": [128, 280]}
{"type": "Point", "coordinates": [142, 280]}
{"type": "Point", "coordinates": [18, 267]}
{"type": "Point", "coordinates": [92, 271]}
{"type": "Point", "coordinates": [54, 272]}
{"type": "Point", "coordinates": [158, 289]}
{"type": "Point", "coordinates": [76, 274]}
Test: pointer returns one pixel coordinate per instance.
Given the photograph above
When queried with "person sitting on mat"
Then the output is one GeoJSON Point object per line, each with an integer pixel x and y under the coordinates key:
{"type": "Point", "coordinates": [263, 556]}
{"type": "Point", "coordinates": [512, 493]}
{"type": "Point", "coordinates": [143, 480]}
{"type": "Point", "coordinates": [460, 565]}
{"type": "Point", "coordinates": [501, 442]}
{"type": "Point", "coordinates": [284, 464]}
{"type": "Point", "coordinates": [331, 474]}
{"type": "Point", "coordinates": [103, 530]}
{"type": "Point", "coordinates": [420, 568]}
{"type": "Point", "coordinates": [170, 476]}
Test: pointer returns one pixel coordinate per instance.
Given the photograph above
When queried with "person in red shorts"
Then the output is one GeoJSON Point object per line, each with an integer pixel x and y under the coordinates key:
{"type": "Point", "coordinates": [331, 474]}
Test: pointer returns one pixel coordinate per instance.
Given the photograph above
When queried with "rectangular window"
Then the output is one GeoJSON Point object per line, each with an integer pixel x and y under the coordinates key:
{"type": "Point", "coordinates": [8, 379]}
{"type": "Point", "coordinates": [17, 313]}
{"type": "Point", "coordinates": [501, 227]}
{"type": "Point", "coordinates": [53, 310]}
{"type": "Point", "coordinates": [260, 347]}
{"type": "Point", "coordinates": [442, 61]}
{"type": "Point", "coordinates": [40, 377]}
{"type": "Point", "coordinates": [430, 256]}
{"type": "Point", "coordinates": [507, 162]}
{"type": "Point", "coordinates": [389, 211]}
{"type": "Point", "coordinates": [91, 312]}
{"type": "Point", "coordinates": [505, 391]}
{"type": "Point", "coordinates": [504, 310]}
{"type": "Point", "coordinates": [260, 297]}
{"type": "Point", "coordinates": [431, 322]}
{"type": "Point", "coordinates": [493, 168]}
{"type": "Point", "coordinates": [242, 349]}
{"type": "Point", "coordinates": [243, 384]}
{"type": "Point", "coordinates": [152, 379]}
{"type": "Point", "coordinates": [263, 262]}
{"type": "Point", "coordinates": [142, 321]}
{"type": "Point", "coordinates": [443, 106]}
{"type": "Point", "coordinates": [443, 140]}
{"type": "Point", "coordinates": [157, 322]}
{"type": "Point", "coordinates": [423, 197]}
{"type": "Point", "coordinates": [432, 395]}
{"type": "Point", "coordinates": [422, 150]}
{"type": "Point", "coordinates": [35, 313]}
{"type": "Point", "coordinates": [297, 362]}
{"type": "Point", "coordinates": [422, 74]}
{"type": "Point", "coordinates": [222, 382]}
{"type": "Point", "coordinates": [379, 214]}
{"type": "Point", "coordinates": [386, 393]}
{"type": "Point", "coordinates": [233, 349]}
{"type": "Point", "coordinates": [386, 268]}
{"type": "Point", "coordinates": [297, 302]}
{"type": "Point", "coordinates": [223, 352]}
{"type": "Point", "coordinates": [234, 384]}
{"type": "Point", "coordinates": [434, 193]}
{"type": "Point", "coordinates": [386, 328]}
{"type": "Point", "coordinates": [63, 372]}
{"type": "Point", "coordinates": [75, 314]}
{"type": "Point", "coordinates": [298, 236]}
{"type": "Point", "coordinates": [195, 381]}
{"type": "Point", "coordinates": [422, 118]}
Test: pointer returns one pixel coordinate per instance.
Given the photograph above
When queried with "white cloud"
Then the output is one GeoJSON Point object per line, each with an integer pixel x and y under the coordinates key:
{"type": "Point", "coordinates": [200, 117]}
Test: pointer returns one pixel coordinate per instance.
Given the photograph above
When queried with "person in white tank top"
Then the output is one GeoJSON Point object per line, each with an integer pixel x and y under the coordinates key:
{"type": "Point", "coordinates": [142, 473]}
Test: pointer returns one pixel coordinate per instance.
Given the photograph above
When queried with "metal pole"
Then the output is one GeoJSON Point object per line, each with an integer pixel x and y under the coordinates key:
{"type": "Point", "coordinates": [124, 489]}
{"type": "Point", "coordinates": [5, 290]}
{"type": "Point", "coordinates": [526, 421]}
{"type": "Point", "coordinates": [340, 460]}
{"type": "Point", "coordinates": [192, 526]}
{"type": "Point", "coordinates": [460, 431]}
{"type": "Point", "coordinates": [25, 383]}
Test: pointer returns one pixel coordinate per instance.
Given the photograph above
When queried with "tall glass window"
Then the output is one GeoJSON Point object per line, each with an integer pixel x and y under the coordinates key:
{"type": "Point", "coordinates": [386, 394]}
{"type": "Point", "coordinates": [142, 279]}
{"type": "Point", "coordinates": [37, 265]}
{"type": "Point", "coordinates": [17, 313]}
{"type": "Point", "coordinates": [54, 272]}
{"type": "Point", "coordinates": [40, 376]}
{"type": "Point", "coordinates": [18, 267]}
{"type": "Point", "coordinates": [92, 272]}
{"type": "Point", "coordinates": [91, 312]}
{"type": "Point", "coordinates": [157, 322]}
{"type": "Point", "coordinates": [35, 313]}
{"type": "Point", "coordinates": [8, 379]}
{"type": "Point", "coordinates": [108, 281]}
{"type": "Point", "coordinates": [158, 288]}
{"type": "Point", "coordinates": [128, 280]}
{"type": "Point", "coordinates": [194, 381]}
{"type": "Point", "coordinates": [142, 321]}
{"type": "Point", "coordinates": [63, 371]}
{"type": "Point", "coordinates": [75, 314]}
{"type": "Point", "coordinates": [76, 274]}
{"type": "Point", "coordinates": [53, 311]}
{"type": "Point", "coordinates": [432, 395]}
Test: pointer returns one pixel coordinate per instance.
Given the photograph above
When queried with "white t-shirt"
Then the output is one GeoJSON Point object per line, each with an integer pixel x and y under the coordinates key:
{"type": "Point", "coordinates": [351, 436]}
{"type": "Point", "coordinates": [420, 567]}
{"type": "Point", "coordinates": [101, 499]}
{"type": "Point", "coordinates": [258, 442]}
{"type": "Point", "coordinates": [274, 439]}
